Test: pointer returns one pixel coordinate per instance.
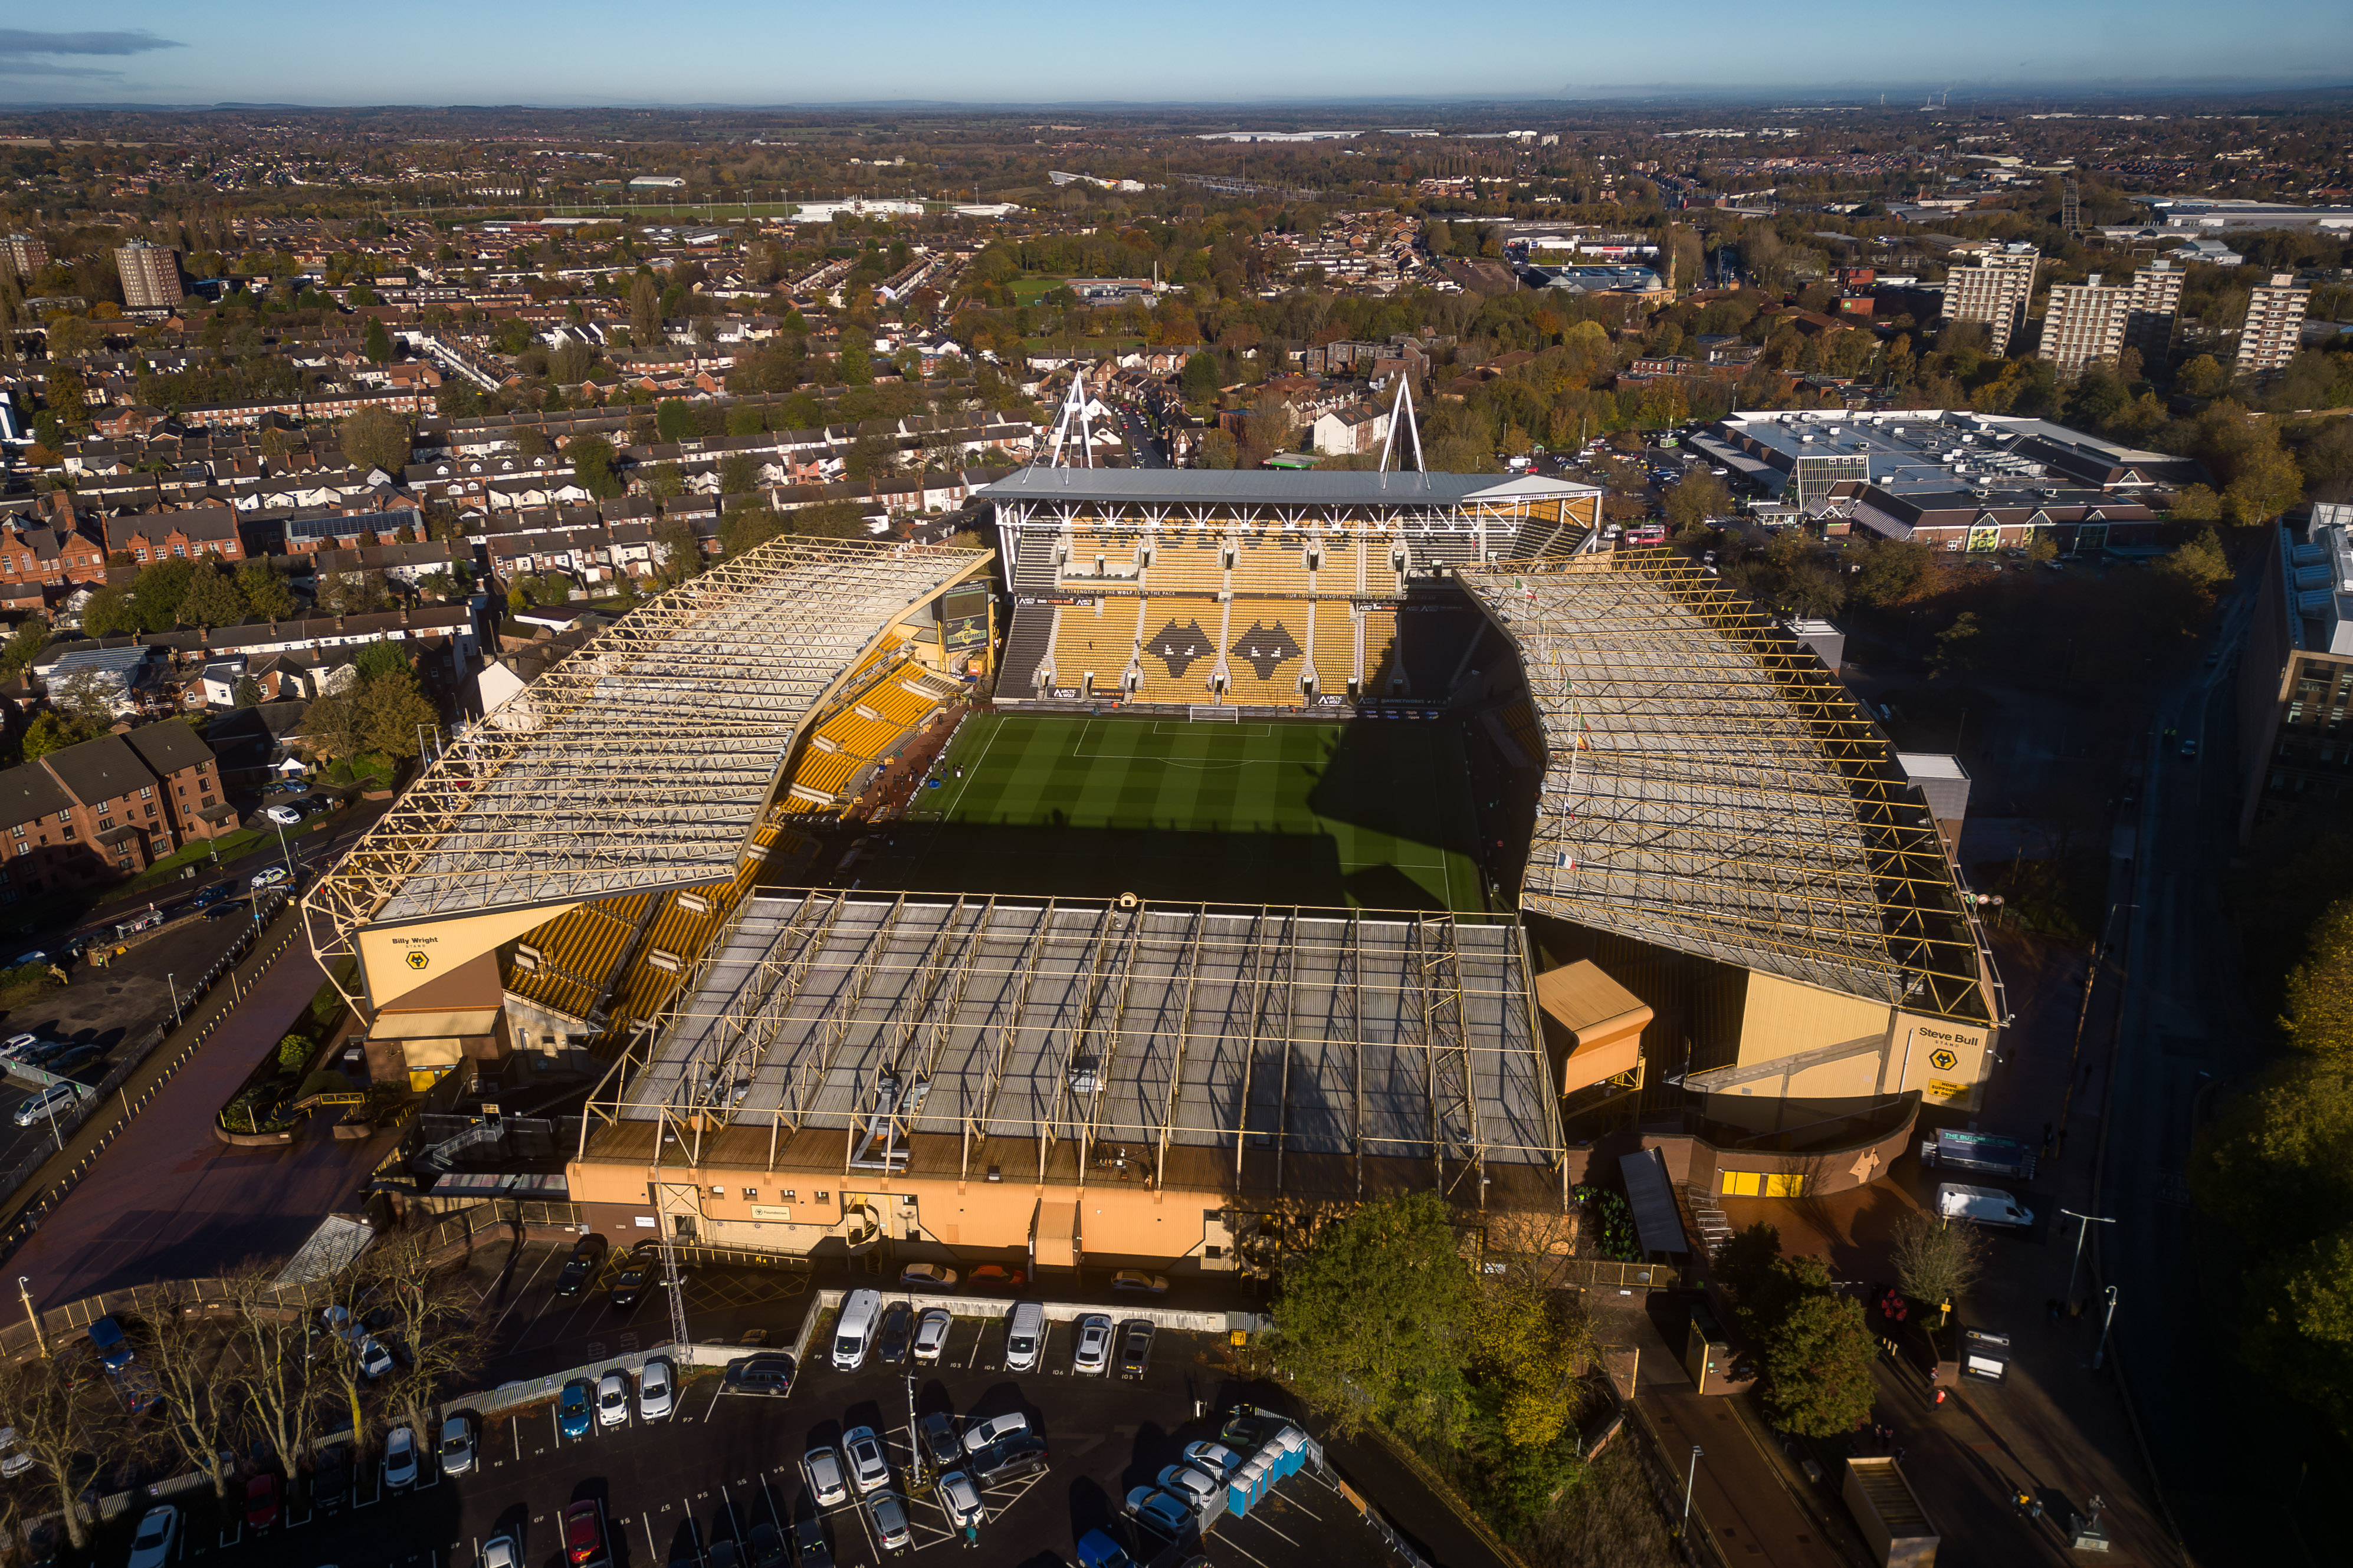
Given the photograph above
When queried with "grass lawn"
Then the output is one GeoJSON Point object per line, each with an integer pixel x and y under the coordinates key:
{"type": "Point", "coordinates": [1374, 813]}
{"type": "Point", "coordinates": [1030, 291]}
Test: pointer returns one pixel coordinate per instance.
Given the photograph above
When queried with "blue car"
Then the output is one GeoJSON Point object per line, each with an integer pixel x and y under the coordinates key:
{"type": "Point", "coordinates": [572, 1410]}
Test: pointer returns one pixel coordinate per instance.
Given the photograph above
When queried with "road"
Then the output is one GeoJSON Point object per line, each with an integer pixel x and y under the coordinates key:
{"type": "Point", "coordinates": [1144, 448]}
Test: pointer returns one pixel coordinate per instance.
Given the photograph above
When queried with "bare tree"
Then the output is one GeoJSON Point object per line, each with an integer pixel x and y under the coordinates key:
{"type": "Point", "coordinates": [69, 1431]}
{"type": "Point", "coordinates": [437, 1320]}
{"type": "Point", "coordinates": [187, 1354]}
{"type": "Point", "coordinates": [276, 1371]}
{"type": "Point", "coordinates": [1936, 1260]}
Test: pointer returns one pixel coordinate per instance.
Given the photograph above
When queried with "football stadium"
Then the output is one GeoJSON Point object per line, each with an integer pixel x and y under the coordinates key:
{"type": "Point", "coordinates": [1221, 848]}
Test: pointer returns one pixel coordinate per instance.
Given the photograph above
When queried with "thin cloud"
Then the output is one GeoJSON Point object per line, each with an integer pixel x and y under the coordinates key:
{"type": "Point", "coordinates": [9, 67]}
{"type": "Point", "coordinates": [20, 41]}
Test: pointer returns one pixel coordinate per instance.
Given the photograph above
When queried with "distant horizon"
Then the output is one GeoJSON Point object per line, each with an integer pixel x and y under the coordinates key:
{"type": "Point", "coordinates": [727, 55]}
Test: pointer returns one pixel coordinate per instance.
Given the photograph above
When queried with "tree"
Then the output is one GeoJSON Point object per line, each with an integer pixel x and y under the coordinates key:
{"type": "Point", "coordinates": [59, 1430]}
{"type": "Point", "coordinates": [264, 590]}
{"type": "Point", "coordinates": [394, 713]}
{"type": "Point", "coordinates": [249, 692]}
{"type": "Point", "coordinates": [530, 441]}
{"type": "Point", "coordinates": [1370, 1319]}
{"type": "Point", "coordinates": [1936, 1260]}
{"type": "Point", "coordinates": [1959, 648]}
{"type": "Point", "coordinates": [23, 645]}
{"type": "Point", "coordinates": [739, 473]}
{"type": "Point", "coordinates": [435, 1317]}
{"type": "Point", "coordinates": [645, 312]}
{"type": "Point", "coordinates": [2203, 377]}
{"type": "Point", "coordinates": [2198, 503]}
{"type": "Point", "coordinates": [183, 1351]}
{"type": "Point", "coordinates": [674, 419]}
{"type": "Point", "coordinates": [677, 554]}
{"type": "Point", "coordinates": [107, 612]}
{"type": "Point", "coordinates": [592, 464]}
{"type": "Point", "coordinates": [377, 438]}
{"type": "Point", "coordinates": [1697, 499]}
{"type": "Point", "coordinates": [1817, 1362]}
{"type": "Point", "coordinates": [2319, 994]}
{"type": "Point", "coordinates": [2200, 564]}
{"type": "Point", "coordinates": [1200, 378]}
{"type": "Point", "coordinates": [2265, 483]}
{"type": "Point", "coordinates": [212, 600]}
{"type": "Point", "coordinates": [376, 344]}
{"type": "Point", "coordinates": [351, 592]}
{"type": "Point", "coordinates": [157, 595]}
{"type": "Point", "coordinates": [87, 699]}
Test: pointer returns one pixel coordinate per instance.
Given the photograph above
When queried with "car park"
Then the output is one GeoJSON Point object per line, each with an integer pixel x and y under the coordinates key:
{"type": "Point", "coordinates": [769, 1373]}
{"type": "Point", "coordinates": [1194, 1488]}
{"type": "Point", "coordinates": [613, 1399]}
{"type": "Point", "coordinates": [959, 1499]}
{"type": "Point", "coordinates": [927, 1276]}
{"type": "Point", "coordinates": [935, 1436]}
{"type": "Point", "coordinates": [15, 1047]}
{"type": "Point", "coordinates": [400, 1459]}
{"type": "Point", "coordinates": [159, 1530]}
{"type": "Point", "coordinates": [1135, 1349]}
{"type": "Point", "coordinates": [979, 1435]}
{"type": "Point", "coordinates": [58, 1100]}
{"type": "Point", "coordinates": [870, 1469]}
{"type": "Point", "coordinates": [572, 1410]}
{"type": "Point", "coordinates": [1156, 1510]}
{"type": "Point", "coordinates": [890, 1517]}
{"type": "Point", "coordinates": [261, 1502]}
{"type": "Point", "coordinates": [457, 1446]}
{"type": "Point", "coordinates": [890, 1340]}
{"type": "Point", "coordinates": [580, 1270]}
{"type": "Point", "coordinates": [821, 1471]}
{"type": "Point", "coordinates": [1091, 1357]}
{"type": "Point", "coordinates": [583, 1533]}
{"type": "Point", "coordinates": [932, 1331]}
{"type": "Point", "coordinates": [657, 1392]}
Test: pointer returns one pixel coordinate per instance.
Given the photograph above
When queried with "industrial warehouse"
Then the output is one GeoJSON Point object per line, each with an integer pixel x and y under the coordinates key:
{"type": "Point", "coordinates": [1730, 929]}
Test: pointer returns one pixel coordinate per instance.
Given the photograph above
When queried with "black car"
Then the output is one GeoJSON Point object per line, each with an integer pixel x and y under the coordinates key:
{"type": "Point", "coordinates": [763, 1545]}
{"type": "Point", "coordinates": [1135, 1349]}
{"type": "Point", "coordinates": [898, 1327]}
{"type": "Point", "coordinates": [638, 1270]}
{"type": "Point", "coordinates": [580, 1269]}
{"type": "Point", "coordinates": [207, 897]}
{"type": "Point", "coordinates": [331, 1479]}
{"type": "Point", "coordinates": [769, 1373]}
{"type": "Point", "coordinates": [1008, 1460]}
{"type": "Point", "coordinates": [808, 1544]}
{"type": "Point", "coordinates": [937, 1435]}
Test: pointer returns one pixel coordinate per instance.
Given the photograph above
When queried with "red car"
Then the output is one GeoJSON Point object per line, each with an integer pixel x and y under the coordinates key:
{"type": "Point", "coordinates": [583, 1533]}
{"type": "Point", "coordinates": [261, 1503]}
{"type": "Point", "coordinates": [997, 1276]}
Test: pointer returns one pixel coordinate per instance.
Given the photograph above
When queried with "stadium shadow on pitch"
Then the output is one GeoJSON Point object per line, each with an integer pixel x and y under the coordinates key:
{"type": "Point", "coordinates": [1245, 866]}
{"type": "Point", "coordinates": [1401, 777]}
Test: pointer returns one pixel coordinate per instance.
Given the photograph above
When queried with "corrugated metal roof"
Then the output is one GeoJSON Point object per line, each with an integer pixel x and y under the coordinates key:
{"type": "Point", "coordinates": [1268, 487]}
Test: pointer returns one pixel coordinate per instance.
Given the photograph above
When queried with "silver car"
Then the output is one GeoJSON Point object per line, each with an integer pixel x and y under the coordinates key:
{"type": "Point", "coordinates": [960, 1500]}
{"type": "Point", "coordinates": [821, 1468]}
{"type": "Point", "coordinates": [890, 1517]}
{"type": "Point", "coordinates": [1092, 1357]}
{"type": "Point", "coordinates": [870, 1469]}
{"type": "Point", "coordinates": [457, 1446]}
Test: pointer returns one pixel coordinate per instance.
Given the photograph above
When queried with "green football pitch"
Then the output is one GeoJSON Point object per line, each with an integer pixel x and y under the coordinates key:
{"type": "Point", "coordinates": [1374, 813]}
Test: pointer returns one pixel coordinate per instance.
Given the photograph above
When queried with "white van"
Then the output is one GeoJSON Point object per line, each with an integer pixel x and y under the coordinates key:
{"type": "Point", "coordinates": [1985, 1205]}
{"type": "Point", "coordinates": [854, 1335]}
{"type": "Point", "coordinates": [1026, 1340]}
{"type": "Point", "coordinates": [56, 1099]}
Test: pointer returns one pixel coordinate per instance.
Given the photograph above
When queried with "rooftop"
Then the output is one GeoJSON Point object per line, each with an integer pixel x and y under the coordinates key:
{"type": "Point", "coordinates": [1269, 487]}
{"type": "Point", "coordinates": [1711, 788]}
{"type": "Point", "coordinates": [1934, 451]}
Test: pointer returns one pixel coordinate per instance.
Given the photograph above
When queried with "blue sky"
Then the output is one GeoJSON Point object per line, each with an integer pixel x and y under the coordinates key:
{"type": "Point", "coordinates": [723, 51]}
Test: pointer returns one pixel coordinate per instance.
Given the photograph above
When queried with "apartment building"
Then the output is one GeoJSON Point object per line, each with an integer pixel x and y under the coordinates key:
{"type": "Point", "coordinates": [2273, 327]}
{"type": "Point", "coordinates": [107, 807]}
{"type": "Point", "coordinates": [35, 552]}
{"type": "Point", "coordinates": [1992, 283]}
{"type": "Point", "coordinates": [151, 276]}
{"type": "Point", "coordinates": [2093, 322]}
{"type": "Point", "coordinates": [22, 255]}
{"type": "Point", "coordinates": [2295, 682]}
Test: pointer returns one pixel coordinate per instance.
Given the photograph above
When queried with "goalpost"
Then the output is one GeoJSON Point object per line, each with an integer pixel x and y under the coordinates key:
{"type": "Point", "coordinates": [1213, 713]}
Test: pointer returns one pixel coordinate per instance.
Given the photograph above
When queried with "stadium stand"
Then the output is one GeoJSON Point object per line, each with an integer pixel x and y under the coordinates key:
{"type": "Point", "coordinates": [1431, 648]}
{"type": "Point", "coordinates": [1273, 564]}
{"type": "Point", "coordinates": [1264, 657]}
{"type": "Point", "coordinates": [1098, 642]}
{"type": "Point", "coordinates": [1186, 564]}
{"type": "Point", "coordinates": [892, 695]}
{"type": "Point", "coordinates": [568, 964]}
{"type": "Point", "coordinates": [1376, 654]}
{"type": "Point", "coordinates": [1179, 649]}
{"type": "Point", "coordinates": [1520, 720]}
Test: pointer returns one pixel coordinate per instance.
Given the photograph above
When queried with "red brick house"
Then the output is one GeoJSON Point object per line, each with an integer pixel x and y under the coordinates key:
{"type": "Point", "coordinates": [33, 552]}
{"type": "Point", "coordinates": [185, 535]}
{"type": "Point", "coordinates": [107, 807]}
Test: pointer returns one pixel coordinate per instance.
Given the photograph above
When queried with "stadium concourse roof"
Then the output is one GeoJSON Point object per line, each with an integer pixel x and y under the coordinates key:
{"type": "Point", "coordinates": [1271, 487]}
{"type": "Point", "coordinates": [1318, 1032]}
{"type": "Point", "coordinates": [643, 760]}
{"type": "Point", "coordinates": [1710, 787]}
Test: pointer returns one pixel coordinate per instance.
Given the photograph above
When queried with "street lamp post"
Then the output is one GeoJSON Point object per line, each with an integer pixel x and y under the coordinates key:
{"type": "Point", "coordinates": [1689, 1479]}
{"type": "Point", "coordinates": [173, 981]}
{"type": "Point", "coordinates": [2110, 1317]}
{"type": "Point", "coordinates": [2089, 1220]}
{"type": "Point", "coordinates": [24, 1294]}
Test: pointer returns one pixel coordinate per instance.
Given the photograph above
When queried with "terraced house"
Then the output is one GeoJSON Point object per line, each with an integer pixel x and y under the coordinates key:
{"type": "Point", "coordinates": [107, 807]}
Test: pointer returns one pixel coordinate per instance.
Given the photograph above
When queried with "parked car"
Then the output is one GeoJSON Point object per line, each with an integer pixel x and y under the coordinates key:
{"type": "Point", "coordinates": [207, 897]}
{"type": "Point", "coordinates": [769, 1373]}
{"type": "Point", "coordinates": [927, 1276]}
{"type": "Point", "coordinates": [112, 1345]}
{"type": "Point", "coordinates": [159, 1530]}
{"type": "Point", "coordinates": [898, 1327]}
{"type": "Point", "coordinates": [14, 1461]}
{"type": "Point", "coordinates": [580, 1270]}
{"type": "Point", "coordinates": [457, 1446]}
{"type": "Point", "coordinates": [1156, 1510]}
{"type": "Point", "coordinates": [330, 1479]}
{"type": "Point", "coordinates": [261, 1500]}
{"type": "Point", "coordinates": [500, 1552]}
{"type": "Point", "coordinates": [572, 1410]}
{"type": "Point", "coordinates": [657, 1393]}
{"type": "Point", "coordinates": [613, 1399]}
{"type": "Point", "coordinates": [1214, 1458]}
{"type": "Point", "coordinates": [583, 1533]}
{"type": "Point", "coordinates": [1009, 1459]}
{"type": "Point", "coordinates": [1135, 1349]}
{"type": "Point", "coordinates": [638, 1270]}
{"type": "Point", "coordinates": [821, 1471]}
{"type": "Point", "coordinates": [763, 1546]}
{"type": "Point", "coordinates": [960, 1500]}
{"type": "Point", "coordinates": [269, 878]}
{"type": "Point", "coordinates": [1185, 1481]}
{"type": "Point", "coordinates": [935, 1436]}
{"type": "Point", "coordinates": [73, 1058]}
{"type": "Point", "coordinates": [285, 814]}
{"type": "Point", "coordinates": [58, 1100]}
{"type": "Point", "coordinates": [997, 1276]}
{"type": "Point", "coordinates": [1092, 1355]}
{"type": "Point", "coordinates": [932, 1331]}
{"type": "Point", "coordinates": [870, 1469]}
{"type": "Point", "coordinates": [890, 1517]}
{"type": "Point", "coordinates": [979, 1435]}
{"type": "Point", "coordinates": [400, 1459]}
{"type": "Point", "coordinates": [15, 1046]}
{"type": "Point", "coordinates": [809, 1550]}
{"type": "Point", "coordinates": [35, 956]}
